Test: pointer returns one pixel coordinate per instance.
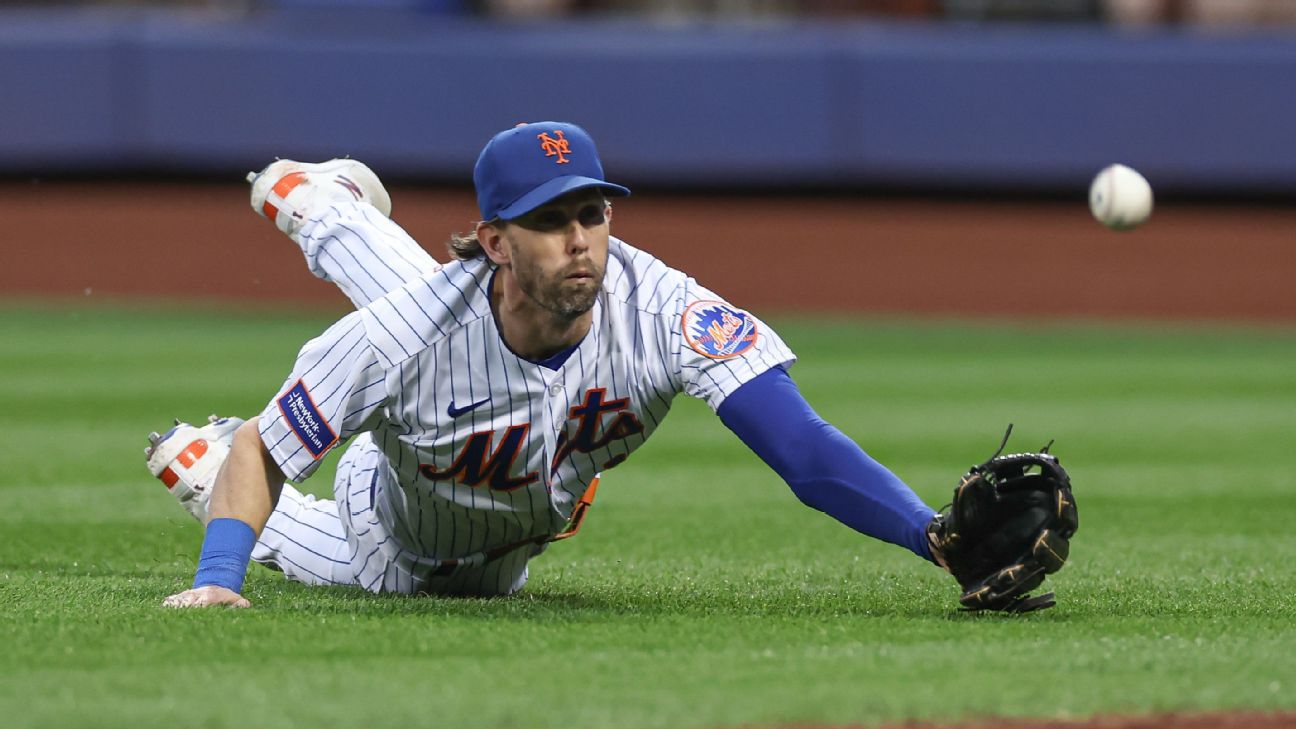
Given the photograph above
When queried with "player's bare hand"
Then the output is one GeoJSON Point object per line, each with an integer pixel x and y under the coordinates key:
{"type": "Point", "coordinates": [208, 596]}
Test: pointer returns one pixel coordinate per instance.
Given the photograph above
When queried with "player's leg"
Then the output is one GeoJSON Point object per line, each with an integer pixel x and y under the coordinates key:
{"type": "Point", "coordinates": [338, 212]}
{"type": "Point", "coordinates": [325, 541]}
{"type": "Point", "coordinates": [363, 476]}
{"type": "Point", "coordinates": [303, 538]}
{"type": "Point", "coordinates": [366, 255]}
{"type": "Point", "coordinates": [498, 577]}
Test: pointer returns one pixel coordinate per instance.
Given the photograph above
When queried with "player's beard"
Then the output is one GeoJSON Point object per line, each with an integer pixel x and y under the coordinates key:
{"type": "Point", "coordinates": [566, 299]}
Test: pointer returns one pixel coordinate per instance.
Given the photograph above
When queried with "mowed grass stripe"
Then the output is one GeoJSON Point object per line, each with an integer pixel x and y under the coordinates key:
{"type": "Point", "coordinates": [700, 593]}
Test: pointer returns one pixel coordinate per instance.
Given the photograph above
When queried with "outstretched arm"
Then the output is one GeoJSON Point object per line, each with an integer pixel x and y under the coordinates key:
{"type": "Point", "coordinates": [242, 500]}
{"type": "Point", "coordinates": [824, 468]}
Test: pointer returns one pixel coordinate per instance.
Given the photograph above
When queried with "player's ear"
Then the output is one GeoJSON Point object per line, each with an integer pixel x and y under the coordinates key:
{"type": "Point", "coordinates": [492, 241]}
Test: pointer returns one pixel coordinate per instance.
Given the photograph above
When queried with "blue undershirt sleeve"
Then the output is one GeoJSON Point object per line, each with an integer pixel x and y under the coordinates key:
{"type": "Point", "coordinates": [825, 469]}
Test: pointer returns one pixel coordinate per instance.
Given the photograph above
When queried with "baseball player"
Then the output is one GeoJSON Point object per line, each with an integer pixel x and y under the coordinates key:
{"type": "Point", "coordinates": [483, 398]}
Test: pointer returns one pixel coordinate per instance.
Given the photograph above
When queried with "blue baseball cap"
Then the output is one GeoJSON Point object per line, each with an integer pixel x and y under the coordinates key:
{"type": "Point", "coordinates": [525, 167]}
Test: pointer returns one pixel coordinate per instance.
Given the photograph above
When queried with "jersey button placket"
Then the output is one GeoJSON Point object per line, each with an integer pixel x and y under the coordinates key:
{"type": "Point", "coordinates": [557, 407]}
{"type": "Point", "coordinates": [553, 388]}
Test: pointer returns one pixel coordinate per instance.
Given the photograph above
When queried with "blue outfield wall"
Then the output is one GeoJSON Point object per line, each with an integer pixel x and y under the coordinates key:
{"type": "Point", "coordinates": [939, 105]}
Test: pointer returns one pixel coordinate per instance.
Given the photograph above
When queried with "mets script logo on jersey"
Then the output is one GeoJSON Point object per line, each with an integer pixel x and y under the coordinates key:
{"type": "Point", "coordinates": [311, 428]}
{"type": "Point", "coordinates": [717, 330]}
{"type": "Point", "coordinates": [477, 463]}
{"type": "Point", "coordinates": [555, 147]}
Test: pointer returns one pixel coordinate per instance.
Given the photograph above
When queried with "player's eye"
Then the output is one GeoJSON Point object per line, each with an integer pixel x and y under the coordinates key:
{"type": "Point", "coordinates": [549, 220]}
{"type": "Point", "coordinates": [555, 218]}
{"type": "Point", "coordinates": [592, 215]}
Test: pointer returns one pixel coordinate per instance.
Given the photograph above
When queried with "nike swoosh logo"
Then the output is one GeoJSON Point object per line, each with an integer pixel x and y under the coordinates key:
{"type": "Point", "coordinates": [455, 412]}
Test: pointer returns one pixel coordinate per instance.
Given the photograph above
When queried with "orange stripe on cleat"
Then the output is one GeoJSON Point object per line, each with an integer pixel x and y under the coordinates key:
{"type": "Point", "coordinates": [190, 455]}
{"type": "Point", "coordinates": [285, 185]}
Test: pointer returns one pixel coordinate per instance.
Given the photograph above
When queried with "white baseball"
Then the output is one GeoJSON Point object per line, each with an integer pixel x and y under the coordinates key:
{"type": "Point", "coordinates": [1120, 198]}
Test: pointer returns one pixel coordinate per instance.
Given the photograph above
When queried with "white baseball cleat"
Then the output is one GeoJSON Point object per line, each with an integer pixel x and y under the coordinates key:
{"type": "Point", "coordinates": [290, 193]}
{"type": "Point", "coordinates": [187, 458]}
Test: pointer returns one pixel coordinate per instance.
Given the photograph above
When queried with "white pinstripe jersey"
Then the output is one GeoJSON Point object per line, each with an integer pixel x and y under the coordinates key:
{"type": "Point", "coordinates": [487, 448]}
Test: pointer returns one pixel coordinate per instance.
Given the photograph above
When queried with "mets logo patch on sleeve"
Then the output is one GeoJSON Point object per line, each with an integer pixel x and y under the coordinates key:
{"type": "Point", "coordinates": [311, 428]}
{"type": "Point", "coordinates": [717, 330]}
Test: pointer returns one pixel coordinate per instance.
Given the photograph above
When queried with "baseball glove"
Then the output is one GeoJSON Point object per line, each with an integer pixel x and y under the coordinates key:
{"type": "Point", "coordinates": [1009, 525]}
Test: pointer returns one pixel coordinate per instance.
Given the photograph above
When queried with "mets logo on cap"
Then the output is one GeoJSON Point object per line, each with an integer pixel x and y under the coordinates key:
{"type": "Point", "coordinates": [717, 330]}
{"type": "Point", "coordinates": [555, 146]}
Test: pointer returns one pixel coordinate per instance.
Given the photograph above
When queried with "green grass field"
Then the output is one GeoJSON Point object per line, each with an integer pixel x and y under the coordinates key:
{"type": "Point", "coordinates": [700, 592]}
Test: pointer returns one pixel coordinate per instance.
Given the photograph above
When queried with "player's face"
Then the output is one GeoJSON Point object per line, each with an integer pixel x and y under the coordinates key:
{"type": "Point", "coordinates": [559, 252]}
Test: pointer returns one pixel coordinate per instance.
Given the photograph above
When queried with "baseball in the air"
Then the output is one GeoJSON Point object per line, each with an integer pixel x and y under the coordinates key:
{"type": "Point", "coordinates": [1120, 198]}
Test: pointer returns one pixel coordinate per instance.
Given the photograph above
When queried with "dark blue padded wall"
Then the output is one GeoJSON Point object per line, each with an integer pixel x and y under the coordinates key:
{"type": "Point", "coordinates": [992, 107]}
